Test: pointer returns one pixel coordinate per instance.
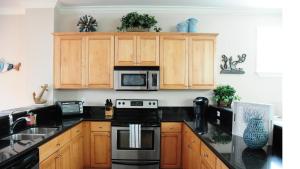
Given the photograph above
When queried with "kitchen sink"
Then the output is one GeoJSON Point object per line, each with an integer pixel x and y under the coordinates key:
{"type": "Point", "coordinates": [39, 130]}
{"type": "Point", "coordinates": [24, 136]}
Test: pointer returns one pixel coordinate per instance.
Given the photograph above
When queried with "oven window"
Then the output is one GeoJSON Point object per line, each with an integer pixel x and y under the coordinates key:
{"type": "Point", "coordinates": [147, 140]}
{"type": "Point", "coordinates": [133, 79]}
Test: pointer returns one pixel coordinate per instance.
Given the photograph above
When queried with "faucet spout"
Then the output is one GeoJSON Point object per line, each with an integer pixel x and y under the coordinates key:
{"type": "Point", "coordinates": [13, 125]}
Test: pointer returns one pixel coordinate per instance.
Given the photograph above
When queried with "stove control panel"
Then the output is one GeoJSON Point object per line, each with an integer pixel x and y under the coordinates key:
{"type": "Point", "coordinates": [137, 103]}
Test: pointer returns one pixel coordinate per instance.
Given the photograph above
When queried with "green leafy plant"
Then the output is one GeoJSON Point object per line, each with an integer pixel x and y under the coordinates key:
{"type": "Point", "coordinates": [136, 20]}
{"type": "Point", "coordinates": [224, 95]}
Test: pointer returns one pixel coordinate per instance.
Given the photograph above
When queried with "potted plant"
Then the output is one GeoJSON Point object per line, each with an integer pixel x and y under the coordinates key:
{"type": "Point", "coordinates": [134, 22]}
{"type": "Point", "coordinates": [224, 95]}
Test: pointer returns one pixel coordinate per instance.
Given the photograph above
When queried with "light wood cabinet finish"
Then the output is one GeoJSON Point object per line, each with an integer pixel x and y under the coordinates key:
{"type": "Point", "coordinates": [77, 152]}
{"type": "Point", "coordinates": [174, 62]}
{"type": "Point", "coordinates": [86, 144]}
{"type": "Point", "coordinates": [100, 126]}
{"type": "Point", "coordinates": [100, 61]}
{"type": "Point", "coordinates": [201, 62]}
{"type": "Point", "coordinates": [148, 50]}
{"type": "Point", "coordinates": [65, 157]}
{"type": "Point", "coordinates": [52, 162]}
{"type": "Point", "coordinates": [125, 50]}
{"type": "Point", "coordinates": [170, 150]}
{"type": "Point", "coordinates": [68, 62]}
{"type": "Point", "coordinates": [101, 149]}
{"type": "Point", "coordinates": [220, 165]}
{"type": "Point", "coordinates": [171, 127]}
{"type": "Point", "coordinates": [207, 156]}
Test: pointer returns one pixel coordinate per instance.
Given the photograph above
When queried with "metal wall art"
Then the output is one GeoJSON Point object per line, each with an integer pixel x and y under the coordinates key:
{"type": "Point", "coordinates": [87, 23]}
{"type": "Point", "coordinates": [230, 67]}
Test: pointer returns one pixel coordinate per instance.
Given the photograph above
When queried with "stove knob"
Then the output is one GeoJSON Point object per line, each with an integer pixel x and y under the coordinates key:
{"type": "Point", "coordinates": [123, 103]}
{"type": "Point", "coordinates": [149, 103]}
{"type": "Point", "coordinates": [153, 103]}
{"type": "Point", "coordinates": [119, 103]}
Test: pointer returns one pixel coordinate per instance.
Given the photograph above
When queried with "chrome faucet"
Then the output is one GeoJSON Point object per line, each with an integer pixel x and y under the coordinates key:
{"type": "Point", "coordinates": [13, 123]}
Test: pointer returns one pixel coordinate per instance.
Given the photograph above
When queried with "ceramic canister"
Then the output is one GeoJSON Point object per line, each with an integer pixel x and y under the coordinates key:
{"type": "Point", "coordinates": [255, 135]}
{"type": "Point", "coordinates": [193, 25]}
{"type": "Point", "coordinates": [182, 27]}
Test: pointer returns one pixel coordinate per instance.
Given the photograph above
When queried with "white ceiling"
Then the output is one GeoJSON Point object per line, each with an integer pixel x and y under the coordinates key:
{"type": "Point", "coordinates": [198, 3]}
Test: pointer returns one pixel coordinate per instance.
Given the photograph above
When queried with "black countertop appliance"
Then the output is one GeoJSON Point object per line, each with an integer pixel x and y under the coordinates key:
{"type": "Point", "coordinates": [200, 108]}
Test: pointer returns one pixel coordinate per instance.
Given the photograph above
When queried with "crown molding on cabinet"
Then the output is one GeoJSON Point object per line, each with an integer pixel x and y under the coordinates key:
{"type": "Point", "coordinates": [167, 9]}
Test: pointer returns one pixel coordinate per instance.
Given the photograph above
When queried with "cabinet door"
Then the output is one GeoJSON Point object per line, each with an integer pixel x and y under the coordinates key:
{"type": "Point", "coordinates": [195, 153]}
{"type": "Point", "coordinates": [68, 61]}
{"type": "Point", "coordinates": [170, 150]}
{"type": "Point", "coordinates": [125, 50]}
{"type": "Point", "coordinates": [77, 152]}
{"type": "Point", "coordinates": [65, 157]}
{"type": "Point", "coordinates": [100, 55]}
{"type": "Point", "coordinates": [52, 162]}
{"type": "Point", "coordinates": [208, 158]}
{"type": "Point", "coordinates": [220, 165]}
{"type": "Point", "coordinates": [201, 62]}
{"type": "Point", "coordinates": [173, 62]}
{"type": "Point", "coordinates": [100, 149]}
{"type": "Point", "coordinates": [148, 50]}
{"type": "Point", "coordinates": [185, 147]}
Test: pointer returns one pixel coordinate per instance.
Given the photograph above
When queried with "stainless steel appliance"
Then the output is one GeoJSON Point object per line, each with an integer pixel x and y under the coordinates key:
{"type": "Point", "coordinates": [200, 108]}
{"type": "Point", "coordinates": [136, 135]}
{"type": "Point", "coordinates": [70, 107]}
{"type": "Point", "coordinates": [29, 160]}
{"type": "Point", "coordinates": [136, 78]}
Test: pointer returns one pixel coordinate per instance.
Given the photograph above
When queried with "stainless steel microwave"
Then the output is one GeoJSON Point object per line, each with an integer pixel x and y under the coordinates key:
{"type": "Point", "coordinates": [136, 78]}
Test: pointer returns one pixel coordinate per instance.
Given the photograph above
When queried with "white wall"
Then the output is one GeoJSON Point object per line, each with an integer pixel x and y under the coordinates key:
{"type": "Point", "coordinates": [27, 39]}
{"type": "Point", "coordinates": [237, 35]}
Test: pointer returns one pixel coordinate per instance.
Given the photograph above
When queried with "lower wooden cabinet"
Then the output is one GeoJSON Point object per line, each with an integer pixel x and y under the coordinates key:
{"type": "Point", "coordinates": [77, 152]}
{"type": "Point", "coordinates": [170, 145]}
{"type": "Point", "coordinates": [65, 157]}
{"type": "Point", "coordinates": [100, 144]}
{"type": "Point", "coordinates": [58, 160]}
{"type": "Point", "coordinates": [52, 162]}
{"type": "Point", "coordinates": [220, 165]}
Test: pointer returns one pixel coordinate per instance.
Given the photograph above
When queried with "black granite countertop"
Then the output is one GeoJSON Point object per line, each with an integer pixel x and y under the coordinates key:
{"type": "Point", "coordinates": [229, 148]}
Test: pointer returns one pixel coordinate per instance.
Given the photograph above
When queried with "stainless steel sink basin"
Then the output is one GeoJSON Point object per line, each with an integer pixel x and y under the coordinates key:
{"type": "Point", "coordinates": [38, 130]}
{"type": "Point", "coordinates": [24, 136]}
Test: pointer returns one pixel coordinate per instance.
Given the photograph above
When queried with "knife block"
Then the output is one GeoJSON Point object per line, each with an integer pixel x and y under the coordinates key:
{"type": "Point", "coordinates": [109, 112]}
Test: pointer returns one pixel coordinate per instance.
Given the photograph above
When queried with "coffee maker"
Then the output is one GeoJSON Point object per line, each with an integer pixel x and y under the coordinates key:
{"type": "Point", "coordinates": [200, 108]}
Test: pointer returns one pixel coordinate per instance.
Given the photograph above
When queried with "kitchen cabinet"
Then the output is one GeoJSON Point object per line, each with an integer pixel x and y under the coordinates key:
{"type": "Point", "coordinates": [208, 158]}
{"type": "Point", "coordinates": [83, 61]}
{"type": "Point", "coordinates": [77, 147]}
{"type": "Point", "coordinates": [137, 49]}
{"type": "Point", "coordinates": [52, 162]}
{"type": "Point", "coordinates": [65, 157]}
{"type": "Point", "coordinates": [69, 61]}
{"type": "Point", "coordinates": [86, 144]}
{"type": "Point", "coordinates": [99, 61]}
{"type": "Point", "coordinates": [201, 61]}
{"type": "Point", "coordinates": [171, 145]}
{"type": "Point", "coordinates": [220, 165]}
{"type": "Point", "coordinates": [100, 144]}
{"type": "Point", "coordinates": [173, 62]}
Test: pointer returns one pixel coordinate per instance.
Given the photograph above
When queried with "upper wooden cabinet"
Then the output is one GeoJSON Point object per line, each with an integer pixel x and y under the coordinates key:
{"type": "Point", "coordinates": [137, 49]}
{"type": "Point", "coordinates": [201, 61]}
{"type": "Point", "coordinates": [173, 62]}
{"type": "Point", "coordinates": [100, 54]}
{"type": "Point", "coordinates": [82, 61]}
{"type": "Point", "coordinates": [69, 61]}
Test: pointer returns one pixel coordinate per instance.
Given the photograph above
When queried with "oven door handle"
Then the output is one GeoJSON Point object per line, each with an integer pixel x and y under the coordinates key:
{"type": "Point", "coordinates": [137, 163]}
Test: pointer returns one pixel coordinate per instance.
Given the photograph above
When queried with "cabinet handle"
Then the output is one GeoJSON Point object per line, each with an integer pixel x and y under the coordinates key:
{"type": "Point", "coordinates": [77, 131]}
{"type": "Point", "coordinates": [57, 144]}
{"type": "Point", "coordinates": [100, 127]}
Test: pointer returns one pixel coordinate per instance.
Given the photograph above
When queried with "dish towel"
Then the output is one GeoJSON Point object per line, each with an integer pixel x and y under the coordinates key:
{"type": "Point", "coordinates": [134, 135]}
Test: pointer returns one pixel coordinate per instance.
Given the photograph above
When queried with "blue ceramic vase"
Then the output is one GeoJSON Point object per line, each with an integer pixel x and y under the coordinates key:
{"type": "Point", "coordinates": [255, 135]}
{"type": "Point", "coordinates": [193, 25]}
{"type": "Point", "coordinates": [182, 27]}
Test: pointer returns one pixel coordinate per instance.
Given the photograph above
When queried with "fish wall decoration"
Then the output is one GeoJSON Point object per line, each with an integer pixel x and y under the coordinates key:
{"type": "Point", "coordinates": [5, 66]}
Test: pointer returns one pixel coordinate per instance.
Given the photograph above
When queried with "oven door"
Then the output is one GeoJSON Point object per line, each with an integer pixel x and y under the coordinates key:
{"type": "Point", "coordinates": [149, 148]}
{"type": "Point", "coordinates": [130, 80]}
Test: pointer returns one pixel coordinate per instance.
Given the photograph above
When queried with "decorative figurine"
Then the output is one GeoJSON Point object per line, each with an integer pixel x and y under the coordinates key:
{"type": "Point", "coordinates": [87, 23]}
{"type": "Point", "coordinates": [4, 66]}
{"type": "Point", "coordinates": [39, 100]}
{"type": "Point", "coordinates": [230, 67]}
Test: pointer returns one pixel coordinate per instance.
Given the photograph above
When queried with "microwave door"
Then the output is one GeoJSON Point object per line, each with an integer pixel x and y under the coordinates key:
{"type": "Point", "coordinates": [153, 79]}
{"type": "Point", "coordinates": [132, 80]}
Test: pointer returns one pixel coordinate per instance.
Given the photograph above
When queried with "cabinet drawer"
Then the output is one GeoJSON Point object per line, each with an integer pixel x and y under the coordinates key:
{"type": "Point", "coordinates": [171, 127]}
{"type": "Point", "coordinates": [100, 126]}
{"type": "Point", "coordinates": [208, 156]}
{"type": "Point", "coordinates": [77, 130]}
{"type": "Point", "coordinates": [53, 145]}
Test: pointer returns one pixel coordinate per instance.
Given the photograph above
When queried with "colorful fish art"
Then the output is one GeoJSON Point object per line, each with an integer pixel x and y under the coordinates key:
{"type": "Point", "coordinates": [4, 66]}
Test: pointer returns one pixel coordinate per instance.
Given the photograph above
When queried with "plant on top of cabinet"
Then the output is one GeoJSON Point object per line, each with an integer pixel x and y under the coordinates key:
{"type": "Point", "coordinates": [87, 23]}
{"type": "Point", "coordinates": [224, 95]}
{"type": "Point", "coordinates": [135, 22]}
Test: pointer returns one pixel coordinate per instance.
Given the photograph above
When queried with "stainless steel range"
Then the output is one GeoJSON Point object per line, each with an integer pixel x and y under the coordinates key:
{"type": "Point", "coordinates": [136, 135]}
